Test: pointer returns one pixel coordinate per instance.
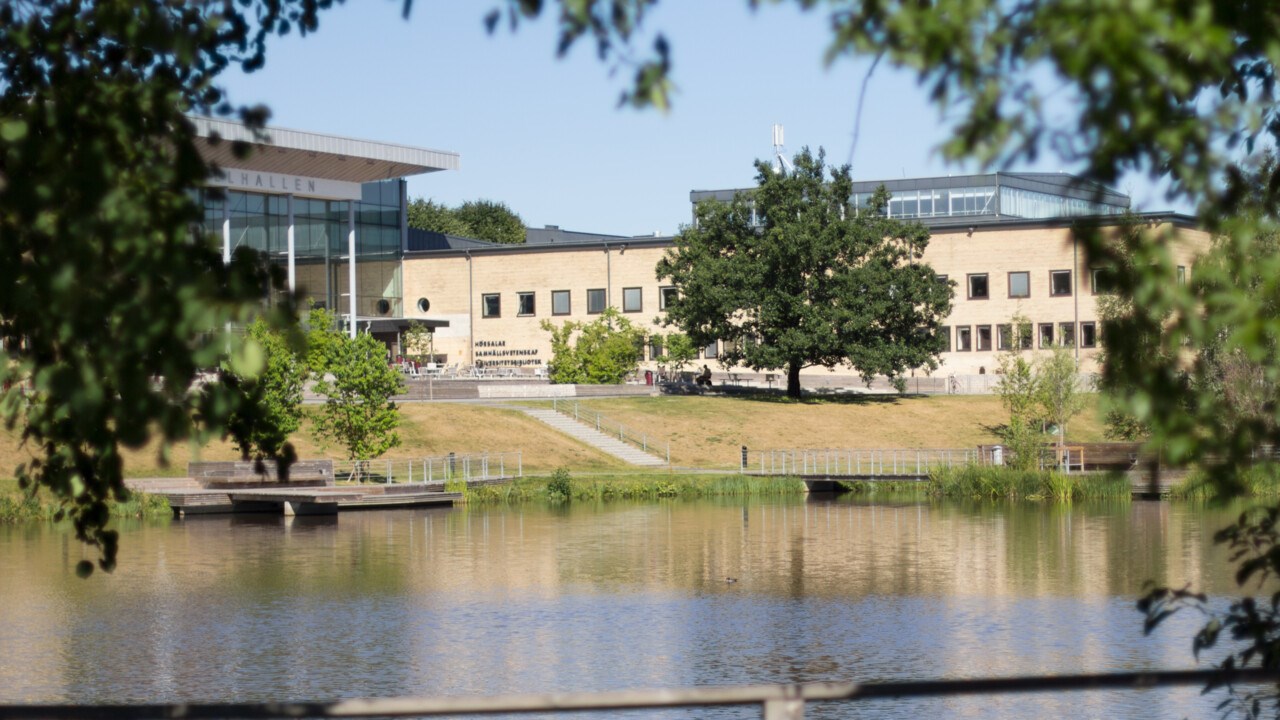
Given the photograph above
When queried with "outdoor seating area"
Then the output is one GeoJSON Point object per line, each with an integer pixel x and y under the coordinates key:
{"type": "Point", "coordinates": [413, 369]}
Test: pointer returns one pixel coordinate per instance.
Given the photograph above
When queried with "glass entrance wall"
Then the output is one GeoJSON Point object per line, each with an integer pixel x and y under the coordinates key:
{"type": "Point", "coordinates": [261, 222]}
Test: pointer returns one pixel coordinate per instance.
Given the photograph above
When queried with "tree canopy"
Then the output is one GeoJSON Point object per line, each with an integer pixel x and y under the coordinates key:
{"type": "Point", "coordinates": [478, 219]}
{"type": "Point", "coordinates": [109, 308]}
{"type": "Point", "coordinates": [815, 283]}
{"type": "Point", "coordinates": [601, 352]}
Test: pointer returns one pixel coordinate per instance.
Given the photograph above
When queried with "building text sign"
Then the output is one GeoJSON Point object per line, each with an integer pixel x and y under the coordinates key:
{"type": "Point", "coordinates": [277, 183]}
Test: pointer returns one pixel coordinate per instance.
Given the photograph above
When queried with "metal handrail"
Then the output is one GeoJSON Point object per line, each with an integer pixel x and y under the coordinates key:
{"type": "Point", "coordinates": [777, 702]}
{"type": "Point", "coordinates": [435, 470]}
{"type": "Point", "coordinates": [607, 426]}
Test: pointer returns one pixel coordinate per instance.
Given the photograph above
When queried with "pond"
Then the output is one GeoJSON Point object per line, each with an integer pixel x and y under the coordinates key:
{"type": "Point", "coordinates": [483, 601]}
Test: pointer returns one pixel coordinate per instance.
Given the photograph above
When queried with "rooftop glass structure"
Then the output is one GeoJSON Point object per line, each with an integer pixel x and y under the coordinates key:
{"type": "Point", "coordinates": [976, 198]}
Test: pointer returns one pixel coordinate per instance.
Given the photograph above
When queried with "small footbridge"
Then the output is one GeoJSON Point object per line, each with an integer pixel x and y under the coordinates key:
{"type": "Point", "coordinates": [822, 469]}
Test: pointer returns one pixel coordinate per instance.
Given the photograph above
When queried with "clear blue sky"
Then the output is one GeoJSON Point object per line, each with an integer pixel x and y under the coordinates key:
{"type": "Point", "coordinates": [546, 136]}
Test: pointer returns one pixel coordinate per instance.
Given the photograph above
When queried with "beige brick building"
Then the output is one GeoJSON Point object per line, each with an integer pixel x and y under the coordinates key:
{"type": "Point", "coordinates": [494, 298]}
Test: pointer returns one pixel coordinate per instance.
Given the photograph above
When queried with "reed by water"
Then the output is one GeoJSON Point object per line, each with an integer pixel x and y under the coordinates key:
{"type": "Point", "coordinates": [561, 486]}
{"type": "Point", "coordinates": [17, 505]}
{"type": "Point", "coordinates": [994, 481]}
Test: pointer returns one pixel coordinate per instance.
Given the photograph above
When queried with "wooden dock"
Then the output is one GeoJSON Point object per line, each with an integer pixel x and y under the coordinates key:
{"type": "Point", "coordinates": [189, 497]}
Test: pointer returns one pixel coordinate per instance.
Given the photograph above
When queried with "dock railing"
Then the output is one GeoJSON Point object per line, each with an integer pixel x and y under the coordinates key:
{"type": "Point", "coordinates": [858, 463]}
{"type": "Point", "coordinates": [776, 702]}
{"type": "Point", "coordinates": [587, 416]}
{"type": "Point", "coordinates": [433, 470]}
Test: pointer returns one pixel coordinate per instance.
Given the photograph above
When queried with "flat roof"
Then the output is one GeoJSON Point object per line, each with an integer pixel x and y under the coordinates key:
{"type": "Point", "coordinates": [310, 154]}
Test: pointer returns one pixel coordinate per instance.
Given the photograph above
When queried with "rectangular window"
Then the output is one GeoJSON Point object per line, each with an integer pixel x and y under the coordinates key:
{"type": "Point", "coordinates": [655, 347]}
{"type": "Point", "coordinates": [1024, 336]}
{"type": "Point", "coordinates": [964, 338]}
{"type": "Point", "coordinates": [491, 305]}
{"type": "Point", "coordinates": [1182, 274]}
{"type": "Point", "coordinates": [1046, 335]}
{"type": "Point", "coordinates": [942, 279]}
{"type": "Point", "coordinates": [978, 289]}
{"type": "Point", "coordinates": [1088, 335]}
{"type": "Point", "coordinates": [1103, 281]}
{"type": "Point", "coordinates": [560, 302]}
{"type": "Point", "coordinates": [710, 352]}
{"type": "Point", "coordinates": [595, 301]}
{"type": "Point", "coordinates": [945, 332]}
{"type": "Point", "coordinates": [1004, 337]}
{"type": "Point", "coordinates": [1019, 284]}
{"type": "Point", "coordinates": [1059, 282]}
{"type": "Point", "coordinates": [1067, 334]}
{"type": "Point", "coordinates": [666, 296]}
{"type": "Point", "coordinates": [632, 300]}
{"type": "Point", "coordinates": [984, 338]}
{"type": "Point", "coordinates": [524, 304]}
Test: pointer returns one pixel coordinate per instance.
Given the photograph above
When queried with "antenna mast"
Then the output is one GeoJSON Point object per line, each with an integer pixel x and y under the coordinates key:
{"type": "Point", "coordinates": [781, 164]}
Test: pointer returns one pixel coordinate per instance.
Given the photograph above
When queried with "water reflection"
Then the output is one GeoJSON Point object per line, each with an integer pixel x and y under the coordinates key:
{"type": "Point", "coordinates": [594, 597]}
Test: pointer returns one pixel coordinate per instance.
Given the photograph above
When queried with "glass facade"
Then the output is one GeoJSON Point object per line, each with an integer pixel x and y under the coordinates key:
{"type": "Point", "coordinates": [261, 222]}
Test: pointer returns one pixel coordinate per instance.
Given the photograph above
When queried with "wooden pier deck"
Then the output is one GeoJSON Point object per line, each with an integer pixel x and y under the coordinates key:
{"type": "Point", "coordinates": [189, 497]}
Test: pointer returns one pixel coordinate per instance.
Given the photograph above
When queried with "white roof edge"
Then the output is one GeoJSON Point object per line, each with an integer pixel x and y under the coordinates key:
{"type": "Point", "coordinates": [330, 144]}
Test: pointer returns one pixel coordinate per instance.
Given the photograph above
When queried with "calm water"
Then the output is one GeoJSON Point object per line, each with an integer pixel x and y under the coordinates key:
{"type": "Point", "coordinates": [531, 599]}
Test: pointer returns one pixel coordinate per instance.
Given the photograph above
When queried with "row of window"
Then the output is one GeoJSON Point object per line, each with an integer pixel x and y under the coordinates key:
{"type": "Point", "coordinates": [1006, 337]}
{"type": "Point", "coordinates": [562, 302]}
{"type": "Point", "coordinates": [1019, 285]}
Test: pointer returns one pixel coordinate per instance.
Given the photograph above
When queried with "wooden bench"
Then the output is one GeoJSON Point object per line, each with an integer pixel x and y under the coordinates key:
{"type": "Point", "coordinates": [240, 474]}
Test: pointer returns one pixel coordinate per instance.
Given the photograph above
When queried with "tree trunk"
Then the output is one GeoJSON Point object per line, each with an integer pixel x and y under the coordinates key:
{"type": "Point", "coordinates": [793, 379]}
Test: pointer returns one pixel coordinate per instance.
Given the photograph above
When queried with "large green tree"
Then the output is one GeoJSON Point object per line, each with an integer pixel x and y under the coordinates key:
{"type": "Point", "coordinates": [815, 283]}
{"type": "Point", "coordinates": [109, 307]}
{"type": "Point", "coordinates": [479, 219]}
{"type": "Point", "coordinates": [272, 407]}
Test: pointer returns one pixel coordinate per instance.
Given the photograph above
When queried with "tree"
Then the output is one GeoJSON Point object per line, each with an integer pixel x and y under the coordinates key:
{"type": "Point", "coordinates": [680, 350]}
{"type": "Point", "coordinates": [1019, 389]}
{"type": "Point", "coordinates": [478, 219]}
{"type": "Point", "coordinates": [272, 405]}
{"type": "Point", "coordinates": [492, 221]}
{"type": "Point", "coordinates": [436, 217]}
{"type": "Point", "coordinates": [1060, 394]}
{"type": "Point", "coordinates": [419, 342]}
{"type": "Point", "coordinates": [602, 352]}
{"type": "Point", "coordinates": [818, 283]}
{"type": "Point", "coordinates": [358, 385]}
{"type": "Point", "coordinates": [110, 307]}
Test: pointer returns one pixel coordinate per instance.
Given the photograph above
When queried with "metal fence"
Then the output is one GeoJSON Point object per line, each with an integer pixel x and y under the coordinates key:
{"type": "Point", "coordinates": [612, 428]}
{"type": "Point", "coordinates": [433, 470]}
{"type": "Point", "coordinates": [861, 463]}
{"type": "Point", "coordinates": [776, 702]}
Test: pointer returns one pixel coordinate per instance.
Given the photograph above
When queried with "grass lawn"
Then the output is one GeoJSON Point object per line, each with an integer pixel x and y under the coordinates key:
{"type": "Point", "coordinates": [426, 430]}
{"type": "Point", "coordinates": [703, 431]}
{"type": "Point", "coordinates": [708, 431]}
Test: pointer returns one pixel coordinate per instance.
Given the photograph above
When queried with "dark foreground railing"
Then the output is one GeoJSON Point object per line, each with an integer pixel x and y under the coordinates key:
{"type": "Point", "coordinates": [777, 702]}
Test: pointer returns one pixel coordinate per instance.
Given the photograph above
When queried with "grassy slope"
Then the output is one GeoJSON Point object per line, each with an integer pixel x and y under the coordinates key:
{"type": "Point", "coordinates": [703, 431]}
{"type": "Point", "coordinates": [427, 430]}
{"type": "Point", "coordinates": [708, 431]}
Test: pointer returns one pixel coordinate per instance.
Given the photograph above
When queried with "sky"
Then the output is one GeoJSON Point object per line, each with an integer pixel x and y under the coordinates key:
{"type": "Point", "coordinates": [546, 135]}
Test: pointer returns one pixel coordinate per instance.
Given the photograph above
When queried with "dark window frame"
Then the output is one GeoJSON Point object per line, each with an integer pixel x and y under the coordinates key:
{"type": "Point", "coordinates": [1027, 274]}
{"type": "Point", "coordinates": [968, 334]}
{"type": "Point", "coordinates": [977, 338]}
{"type": "Point", "coordinates": [484, 306]}
{"type": "Point", "coordinates": [568, 302]}
{"type": "Point", "coordinates": [662, 295]}
{"type": "Point", "coordinates": [533, 301]}
{"type": "Point", "coordinates": [986, 278]}
{"type": "Point", "coordinates": [1070, 287]}
{"type": "Point", "coordinates": [603, 294]}
{"type": "Point", "coordinates": [1062, 339]}
{"type": "Point", "coordinates": [1041, 335]}
{"type": "Point", "coordinates": [945, 331]}
{"type": "Point", "coordinates": [1093, 330]}
{"type": "Point", "coordinates": [640, 305]}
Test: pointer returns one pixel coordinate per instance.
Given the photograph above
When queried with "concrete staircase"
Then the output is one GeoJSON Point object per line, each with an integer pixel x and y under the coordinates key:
{"type": "Point", "coordinates": [589, 435]}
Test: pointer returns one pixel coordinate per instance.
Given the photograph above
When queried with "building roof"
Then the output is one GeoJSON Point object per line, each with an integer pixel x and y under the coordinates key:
{"type": "Point", "coordinates": [300, 153]}
{"type": "Point", "coordinates": [549, 237]}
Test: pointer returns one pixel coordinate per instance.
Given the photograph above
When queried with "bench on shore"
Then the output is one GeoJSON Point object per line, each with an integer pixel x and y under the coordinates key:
{"type": "Point", "coordinates": [242, 474]}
